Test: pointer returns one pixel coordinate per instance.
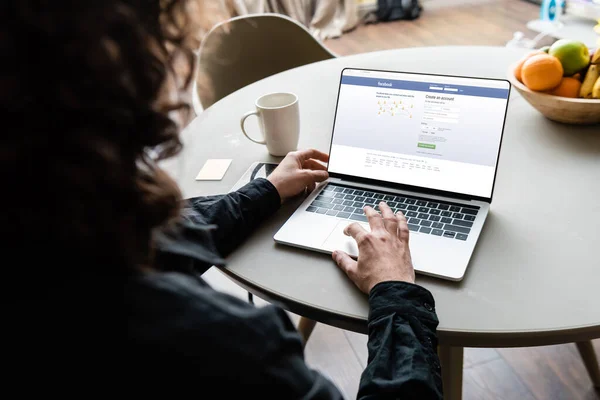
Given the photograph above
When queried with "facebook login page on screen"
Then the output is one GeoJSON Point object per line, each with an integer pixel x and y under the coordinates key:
{"type": "Point", "coordinates": [437, 132]}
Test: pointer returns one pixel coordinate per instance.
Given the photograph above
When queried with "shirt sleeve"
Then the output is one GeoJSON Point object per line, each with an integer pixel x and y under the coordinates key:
{"type": "Point", "coordinates": [403, 361]}
{"type": "Point", "coordinates": [236, 215]}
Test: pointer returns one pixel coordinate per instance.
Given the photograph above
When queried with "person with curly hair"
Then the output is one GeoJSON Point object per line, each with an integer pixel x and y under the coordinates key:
{"type": "Point", "coordinates": [94, 95]}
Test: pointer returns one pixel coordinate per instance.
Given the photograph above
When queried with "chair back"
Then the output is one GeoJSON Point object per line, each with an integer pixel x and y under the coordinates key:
{"type": "Point", "coordinates": [245, 49]}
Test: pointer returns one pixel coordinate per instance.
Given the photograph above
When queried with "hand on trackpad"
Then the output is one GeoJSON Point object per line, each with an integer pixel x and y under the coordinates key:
{"type": "Point", "coordinates": [337, 240]}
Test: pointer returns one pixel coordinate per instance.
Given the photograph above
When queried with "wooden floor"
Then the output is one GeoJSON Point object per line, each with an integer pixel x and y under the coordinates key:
{"type": "Point", "coordinates": [445, 23]}
{"type": "Point", "coordinates": [541, 373]}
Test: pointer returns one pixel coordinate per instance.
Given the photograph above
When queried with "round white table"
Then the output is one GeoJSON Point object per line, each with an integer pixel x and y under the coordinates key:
{"type": "Point", "coordinates": [534, 278]}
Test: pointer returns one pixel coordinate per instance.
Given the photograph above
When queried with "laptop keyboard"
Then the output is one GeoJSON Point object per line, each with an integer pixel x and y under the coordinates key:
{"type": "Point", "coordinates": [433, 217]}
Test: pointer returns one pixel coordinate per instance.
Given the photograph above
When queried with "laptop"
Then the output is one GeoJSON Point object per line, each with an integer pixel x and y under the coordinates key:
{"type": "Point", "coordinates": [428, 145]}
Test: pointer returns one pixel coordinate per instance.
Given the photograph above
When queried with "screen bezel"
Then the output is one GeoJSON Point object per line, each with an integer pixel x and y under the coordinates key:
{"type": "Point", "coordinates": [413, 188]}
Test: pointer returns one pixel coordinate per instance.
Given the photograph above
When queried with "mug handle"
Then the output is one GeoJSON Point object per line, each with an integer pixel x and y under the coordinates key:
{"type": "Point", "coordinates": [244, 130]}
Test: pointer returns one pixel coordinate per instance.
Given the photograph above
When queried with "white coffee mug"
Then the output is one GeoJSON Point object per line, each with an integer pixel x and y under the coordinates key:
{"type": "Point", "coordinates": [279, 120]}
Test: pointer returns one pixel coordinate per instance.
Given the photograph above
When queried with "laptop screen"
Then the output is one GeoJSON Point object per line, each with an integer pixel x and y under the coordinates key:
{"type": "Point", "coordinates": [427, 131]}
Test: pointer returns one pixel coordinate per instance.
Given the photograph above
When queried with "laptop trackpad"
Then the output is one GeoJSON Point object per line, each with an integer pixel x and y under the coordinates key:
{"type": "Point", "coordinates": [337, 240]}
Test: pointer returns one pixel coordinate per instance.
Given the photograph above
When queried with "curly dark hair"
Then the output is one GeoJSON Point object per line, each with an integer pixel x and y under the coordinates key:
{"type": "Point", "coordinates": [86, 120]}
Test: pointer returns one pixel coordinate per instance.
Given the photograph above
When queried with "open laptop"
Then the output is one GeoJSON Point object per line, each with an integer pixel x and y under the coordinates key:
{"type": "Point", "coordinates": [427, 145]}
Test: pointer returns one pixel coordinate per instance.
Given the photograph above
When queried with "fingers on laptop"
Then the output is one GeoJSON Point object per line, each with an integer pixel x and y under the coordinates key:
{"type": "Point", "coordinates": [314, 164]}
{"type": "Point", "coordinates": [375, 220]}
{"type": "Point", "coordinates": [389, 219]}
{"type": "Point", "coordinates": [355, 230]}
{"type": "Point", "coordinates": [403, 231]}
{"type": "Point", "coordinates": [304, 155]}
{"type": "Point", "coordinates": [316, 176]}
{"type": "Point", "coordinates": [393, 223]}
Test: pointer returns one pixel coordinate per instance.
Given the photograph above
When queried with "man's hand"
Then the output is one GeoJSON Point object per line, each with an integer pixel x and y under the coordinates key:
{"type": "Point", "coordinates": [383, 253]}
{"type": "Point", "coordinates": [299, 170]}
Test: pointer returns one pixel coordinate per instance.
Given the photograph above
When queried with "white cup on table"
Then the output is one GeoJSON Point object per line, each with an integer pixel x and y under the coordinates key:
{"type": "Point", "coordinates": [279, 121]}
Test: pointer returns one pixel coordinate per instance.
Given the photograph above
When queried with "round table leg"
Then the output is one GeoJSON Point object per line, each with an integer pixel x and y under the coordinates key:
{"type": "Point", "coordinates": [586, 349]}
{"type": "Point", "coordinates": [451, 359]}
{"type": "Point", "coordinates": [305, 327]}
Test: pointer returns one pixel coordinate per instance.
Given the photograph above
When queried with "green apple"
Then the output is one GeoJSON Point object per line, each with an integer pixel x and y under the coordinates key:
{"type": "Point", "coordinates": [545, 49]}
{"type": "Point", "coordinates": [572, 54]}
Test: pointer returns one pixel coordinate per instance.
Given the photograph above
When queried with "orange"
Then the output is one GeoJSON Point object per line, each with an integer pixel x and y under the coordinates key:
{"type": "Point", "coordinates": [568, 87]}
{"type": "Point", "coordinates": [519, 65]}
{"type": "Point", "coordinates": [542, 72]}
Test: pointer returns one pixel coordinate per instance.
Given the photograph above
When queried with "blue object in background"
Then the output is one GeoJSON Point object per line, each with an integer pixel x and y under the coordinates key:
{"type": "Point", "coordinates": [550, 10]}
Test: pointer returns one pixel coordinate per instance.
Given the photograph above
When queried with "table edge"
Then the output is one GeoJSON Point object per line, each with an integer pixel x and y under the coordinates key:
{"type": "Point", "coordinates": [328, 317]}
{"type": "Point", "coordinates": [449, 338]}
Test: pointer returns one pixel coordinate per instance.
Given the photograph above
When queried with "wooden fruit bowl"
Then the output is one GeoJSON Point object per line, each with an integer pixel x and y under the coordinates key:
{"type": "Point", "coordinates": [561, 109]}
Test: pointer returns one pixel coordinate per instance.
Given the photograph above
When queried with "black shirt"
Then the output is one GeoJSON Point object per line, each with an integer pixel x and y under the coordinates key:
{"type": "Point", "coordinates": [178, 326]}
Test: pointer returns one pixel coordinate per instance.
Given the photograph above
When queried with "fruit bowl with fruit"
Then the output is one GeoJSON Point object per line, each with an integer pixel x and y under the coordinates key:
{"type": "Point", "coordinates": [561, 81]}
